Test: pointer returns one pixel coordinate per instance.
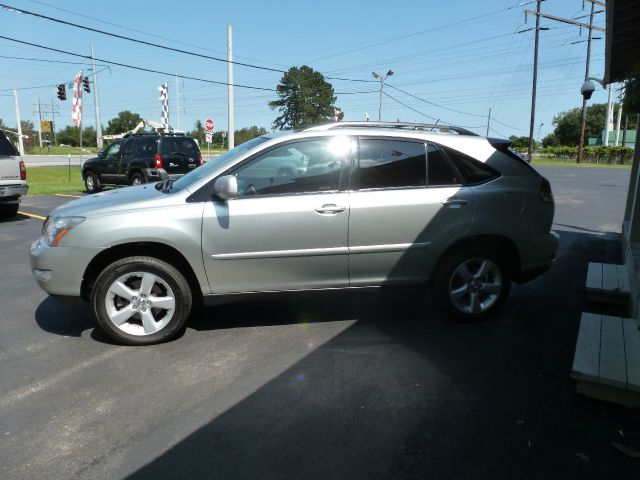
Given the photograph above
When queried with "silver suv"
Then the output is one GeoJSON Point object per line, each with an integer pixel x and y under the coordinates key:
{"type": "Point", "coordinates": [367, 205]}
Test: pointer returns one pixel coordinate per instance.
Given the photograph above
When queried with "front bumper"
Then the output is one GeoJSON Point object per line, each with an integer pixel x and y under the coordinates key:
{"type": "Point", "coordinates": [12, 193]}
{"type": "Point", "coordinates": [59, 270]}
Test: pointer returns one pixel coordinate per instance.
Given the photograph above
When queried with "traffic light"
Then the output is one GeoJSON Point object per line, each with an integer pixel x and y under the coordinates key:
{"type": "Point", "coordinates": [62, 92]}
{"type": "Point", "coordinates": [85, 84]}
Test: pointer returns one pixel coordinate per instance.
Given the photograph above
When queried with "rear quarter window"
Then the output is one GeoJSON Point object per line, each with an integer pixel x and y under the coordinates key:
{"type": "Point", "coordinates": [6, 147]}
{"type": "Point", "coordinates": [472, 170]}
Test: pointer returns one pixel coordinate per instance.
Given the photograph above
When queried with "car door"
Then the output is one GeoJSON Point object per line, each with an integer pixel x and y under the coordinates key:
{"type": "Point", "coordinates": [109, 163]}
{"type": "Point", "coordinates": [126, 158]}
{"type": "Point", "coordinates": [408, 201]}
{"type": "Point", "coordinates": [282, 232]}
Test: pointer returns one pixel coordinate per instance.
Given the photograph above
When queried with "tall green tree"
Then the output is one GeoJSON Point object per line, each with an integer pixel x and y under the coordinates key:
{"type": "Point", "coordinates": [305, 98]}
{"type": "Point", "coordinates": [567, 131]}
{"type": "Point", "coordinates": [71, 136]}
{"type": "Point", "coordinates": [124, 122]}
{"type": "Point", "coordinates": [247, 133]}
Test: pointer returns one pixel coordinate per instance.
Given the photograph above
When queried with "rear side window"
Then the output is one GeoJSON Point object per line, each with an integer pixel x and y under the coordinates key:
{"type": "Point", "coordinates": [391, 164]}
{"type": "Point", "coordinates": [184, 145]}
{"type": "Point", "coordinates": [472, 170]}
{"type": "Point", "coordinates": [127, 146]}
{"type": "Point", "coordinates": [441, 171]}
{"type": "Point", "coordinates": [6, 147]}
{"type": "Point", "coordinates": [146, 147]}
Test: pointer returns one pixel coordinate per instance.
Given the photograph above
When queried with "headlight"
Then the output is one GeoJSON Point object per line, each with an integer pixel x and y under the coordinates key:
{"type": "Point", "coordinates": [56, 228]}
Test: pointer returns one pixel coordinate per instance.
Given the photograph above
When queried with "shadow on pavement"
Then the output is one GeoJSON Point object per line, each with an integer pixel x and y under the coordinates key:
{"type": "Point", "coordinates": [403, 393]}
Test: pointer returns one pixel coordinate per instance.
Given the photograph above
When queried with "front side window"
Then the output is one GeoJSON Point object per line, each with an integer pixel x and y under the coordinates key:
{"type": "Point", "coordinates": [300, 167]}
{"type": "Point", "coordinates": [112, 151]}
{"type": "Point", "coordinates": [391, 164]}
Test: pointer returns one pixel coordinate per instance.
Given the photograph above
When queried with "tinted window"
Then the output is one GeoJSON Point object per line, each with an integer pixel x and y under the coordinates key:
{"type": "Point", "coordinates": [6, 147]}
{"type": "Point", "coordinates": [391, 164]}
{"type": "Point", "coordinates": [127, 146]}
{"type": "Point", "coordinates": [184, 145]}
{"type": "Point", "coordinates": [146, 147]}
{"type": "Point", "coordinates": [472, 170]}
{"type": "Point", "coordinates": [112, 150]}
{"type": "Point", "coordinates": [307, 166]}
{"type": "Point", "coordinates": [441, 172]}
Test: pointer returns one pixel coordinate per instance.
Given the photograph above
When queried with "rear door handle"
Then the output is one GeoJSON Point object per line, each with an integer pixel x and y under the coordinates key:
{"type": "Point", "coordinates": [453, 202]}
{"type": "Point", "coordinates": [330, 208]}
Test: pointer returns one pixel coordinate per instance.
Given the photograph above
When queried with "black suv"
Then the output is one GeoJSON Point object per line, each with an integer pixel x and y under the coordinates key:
{"type": "Point", "coordinates": [141, 158]}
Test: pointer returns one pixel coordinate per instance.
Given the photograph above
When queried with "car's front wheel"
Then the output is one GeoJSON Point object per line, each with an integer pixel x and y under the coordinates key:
{"type": "Point", "coordinates": [141, 300]}
{"type": "Point", "coordinates": [472, 283]}
{"type": "Point", "coordinates": [91, 182]}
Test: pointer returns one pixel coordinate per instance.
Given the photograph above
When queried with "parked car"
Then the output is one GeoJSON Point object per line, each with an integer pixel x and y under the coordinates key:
{"type": "Point", "coordinates": [13, 178]}
{"type": "Point", "coordinates": [371, 205]}
{"type": "Point", "coordinates": [140, 158]}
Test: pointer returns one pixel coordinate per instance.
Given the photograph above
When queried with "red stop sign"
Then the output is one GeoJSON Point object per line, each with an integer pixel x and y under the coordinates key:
{"type": "Point", "coordinates": [209, 124]}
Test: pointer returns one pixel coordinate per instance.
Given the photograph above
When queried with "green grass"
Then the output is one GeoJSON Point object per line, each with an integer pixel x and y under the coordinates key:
{"type": "Point", "coordinates": [56, 150]}
{"type": "Point", "coordinates": [572, 163]}
{"type": "Point", "coordinates": [51, 180]}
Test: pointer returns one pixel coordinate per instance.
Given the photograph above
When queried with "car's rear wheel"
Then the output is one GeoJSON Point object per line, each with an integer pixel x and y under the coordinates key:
{"type": "Point", "coordinates": [91, 182]}
{"type": "Point", "coordinates": [136, 179]}
{"type": "Point", "coordinates": [472, 283]}
{"type": "Point", "coordinates": [141, 301]}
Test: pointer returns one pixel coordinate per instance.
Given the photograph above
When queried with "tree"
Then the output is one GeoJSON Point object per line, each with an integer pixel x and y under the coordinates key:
{"type": "Point", "coordinates": [246, 134]}
{"type": "Point", "coordinates": [550, 141]}
{"type": "Point", "coordinates": [305, 98]}
{"type": "Point", "coordinates": [632, 92]}
{"type": "Point", "coordinates": [519, 142]}
{"type": "Point", "coordinates": [71, 136]}
{"type": "Point", "coordinates": [29, 130]}
{"type": "Point", "coordinates": [124, 122]}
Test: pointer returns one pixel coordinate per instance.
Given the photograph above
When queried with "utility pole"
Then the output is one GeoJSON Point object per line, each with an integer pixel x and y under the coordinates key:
{"type": "Point", "coordinates": [230, 136]}
{"type": "Point", "coordinates": [488, 122]}
{"type": "Point", "coordinates": [20, 142]}
{"type": "Point", "coordinates": [177, 102]}
{"type": "Point", "coordinates": [591, 28]}
{"type": "Point", "coordinates": [607, 121]}
{"type": "Point", "coordinates": [39, 124]}
{"type": "Point", "coordinates": [382, 78]}
{"type": "Point", "coordinates": [96, 99]}
{"type": "Point", "coordinates": [583, 117]}
{"type": "Point", "coordinates": [53, 123]}
{"type": "Point", "coordinates": [532, 121]}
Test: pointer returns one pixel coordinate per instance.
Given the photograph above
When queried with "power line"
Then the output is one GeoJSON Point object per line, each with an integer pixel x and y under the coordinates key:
{"type": "Point", "coordinates": [164, 47]}
{"type": "Point", "coordinates": [45, 60]}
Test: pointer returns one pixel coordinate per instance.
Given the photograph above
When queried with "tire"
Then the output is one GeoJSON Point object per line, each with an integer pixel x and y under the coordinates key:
{"type": "Point", "coordinates": [91, 182]}
{"type": "Point", "coordinates": [472, 283]}
{"type": "Point", "coordinates": [123, 302]}
{"type": "Point", "coordinates": [136, 179]}
{"type": "Point", "coordinates": [9, 211]}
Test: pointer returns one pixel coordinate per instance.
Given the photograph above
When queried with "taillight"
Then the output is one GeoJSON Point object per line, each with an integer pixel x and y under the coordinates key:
{"type": "Point", "coordinates": [545, 191]}
{"type": "Point", "coordinates": [23, 171]}
{"type": "Point", "coordinates": [158, 160]}
{"type": "Point", "coordinates": [201, 160]}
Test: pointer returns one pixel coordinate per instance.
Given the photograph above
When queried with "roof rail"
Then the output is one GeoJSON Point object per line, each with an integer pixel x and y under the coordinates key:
{"type": "Point", "coordinates": [440, 128]}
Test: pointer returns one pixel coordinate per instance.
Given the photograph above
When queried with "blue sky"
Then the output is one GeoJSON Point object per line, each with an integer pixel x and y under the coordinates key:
{"type": "Point", "coordinates": [464, 55]}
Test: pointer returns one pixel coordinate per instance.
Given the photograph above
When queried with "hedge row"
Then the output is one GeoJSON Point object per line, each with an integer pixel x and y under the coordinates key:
{"type": "Point", "coordinates": [599, 154]}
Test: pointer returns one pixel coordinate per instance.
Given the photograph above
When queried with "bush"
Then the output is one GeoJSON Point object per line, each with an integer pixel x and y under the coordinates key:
{"type": "Point", "coordinates": [597, 154]}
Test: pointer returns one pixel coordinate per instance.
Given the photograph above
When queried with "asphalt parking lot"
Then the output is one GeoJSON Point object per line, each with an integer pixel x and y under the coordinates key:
{"type": "Point", "coordinates": [348, 386]}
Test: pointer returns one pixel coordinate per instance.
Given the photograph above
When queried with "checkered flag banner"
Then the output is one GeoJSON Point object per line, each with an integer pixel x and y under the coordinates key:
{"type": "Point", "coordinates": [76, 105]}
{"type": "Point", "coordinates": [164, 100]}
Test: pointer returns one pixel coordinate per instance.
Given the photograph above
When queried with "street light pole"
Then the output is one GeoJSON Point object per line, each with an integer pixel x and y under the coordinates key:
{"type": "Point", "coordinates": [583, 115]}
{"type": "Point", "coordinates": [382, 78]}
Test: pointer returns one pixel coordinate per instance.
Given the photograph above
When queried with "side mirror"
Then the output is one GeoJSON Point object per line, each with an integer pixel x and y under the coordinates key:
{"type": "Point", "coordinates": [100, 154]}
{"type": "Point", "coordinates": [226, 188]}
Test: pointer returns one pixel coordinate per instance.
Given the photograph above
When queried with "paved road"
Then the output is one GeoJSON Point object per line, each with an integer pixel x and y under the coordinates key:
{"type": "Point", "coordinates": [54, 160]}
{"type": "Point", "coordinates": [350, 386]}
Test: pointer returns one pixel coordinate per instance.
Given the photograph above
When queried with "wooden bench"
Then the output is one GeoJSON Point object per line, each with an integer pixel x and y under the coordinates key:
{"type": "Point", "coordinates": [608, 283]}
{"type": "Point", "coordinates": [606, 364]}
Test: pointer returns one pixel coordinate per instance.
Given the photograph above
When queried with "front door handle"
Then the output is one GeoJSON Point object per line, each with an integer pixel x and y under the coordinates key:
{"type": "Point", "coordinates": [330, 208]}
{"type": "Point", "coordinates": [453, 202]}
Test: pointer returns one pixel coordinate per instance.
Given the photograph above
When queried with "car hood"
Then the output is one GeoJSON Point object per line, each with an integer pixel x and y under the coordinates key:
{"type": "Point", "coordinates": [113, 201]}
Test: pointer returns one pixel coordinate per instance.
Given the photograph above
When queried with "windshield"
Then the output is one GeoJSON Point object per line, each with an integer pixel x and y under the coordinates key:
{"type": "Point", "coordinates": [215, 163]}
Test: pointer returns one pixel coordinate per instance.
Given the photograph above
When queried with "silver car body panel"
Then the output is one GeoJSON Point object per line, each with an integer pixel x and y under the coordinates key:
{"type": "Point", "coordinates": [12, 188]}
